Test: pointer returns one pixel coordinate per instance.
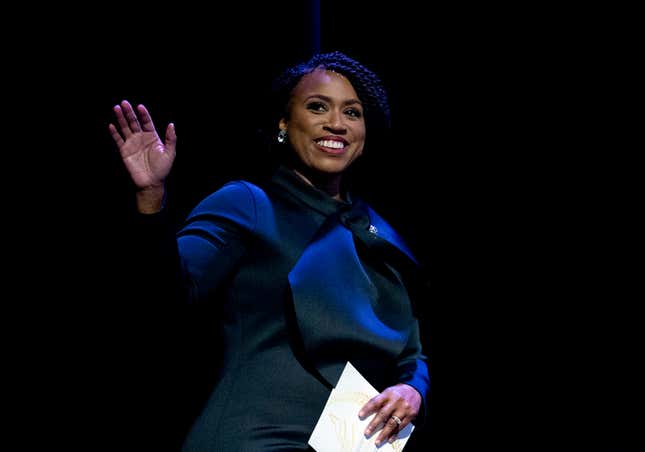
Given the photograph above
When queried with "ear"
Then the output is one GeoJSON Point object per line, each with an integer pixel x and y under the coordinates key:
{"type": "Point", "coordinates": [283, 124]}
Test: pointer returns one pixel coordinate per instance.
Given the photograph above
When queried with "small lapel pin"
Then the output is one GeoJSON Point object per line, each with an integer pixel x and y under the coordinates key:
{"type": "Point", "coordinates": [373, 229]}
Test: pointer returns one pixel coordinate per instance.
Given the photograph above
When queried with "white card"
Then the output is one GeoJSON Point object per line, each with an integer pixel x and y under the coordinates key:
{"type": "Point", "coordinates": [339, 429]}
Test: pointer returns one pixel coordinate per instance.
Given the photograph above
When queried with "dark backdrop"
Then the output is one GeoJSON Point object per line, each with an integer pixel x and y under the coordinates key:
{"type": "Point", "coordinates": [498, 177]}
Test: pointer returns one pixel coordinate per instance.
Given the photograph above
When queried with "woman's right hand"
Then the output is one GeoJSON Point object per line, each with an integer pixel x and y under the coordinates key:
{"type": "Point", "coordinates": [147, 158]}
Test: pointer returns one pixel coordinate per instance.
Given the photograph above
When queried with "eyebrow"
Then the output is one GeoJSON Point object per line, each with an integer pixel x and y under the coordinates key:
{"type": "Point", "coordinates": [330, 100]}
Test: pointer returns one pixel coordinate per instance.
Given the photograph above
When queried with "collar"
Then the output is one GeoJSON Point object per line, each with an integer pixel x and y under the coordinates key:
{"type": "Point", "coordinates": [292, 184]}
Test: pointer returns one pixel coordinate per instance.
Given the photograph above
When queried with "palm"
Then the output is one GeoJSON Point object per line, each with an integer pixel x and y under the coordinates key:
{"type": "Point", "coordinates": [146, 157]}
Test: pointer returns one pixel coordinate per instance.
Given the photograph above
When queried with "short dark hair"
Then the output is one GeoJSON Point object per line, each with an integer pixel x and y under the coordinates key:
{"type": "Point", "coordinates": [368, 86]}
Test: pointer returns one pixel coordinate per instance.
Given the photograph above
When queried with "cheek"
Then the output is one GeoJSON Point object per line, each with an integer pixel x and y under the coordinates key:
{"type": "Point", "coordinates": [358, 152]}
{"type": "Point", "coordinates": [361, 139]}
{"type": "Point", "coordinates": [360, 133]}
{"type": "Point", "coordinates": [299, 137]}
{"type": "Point", "coordinates": [301, 130]}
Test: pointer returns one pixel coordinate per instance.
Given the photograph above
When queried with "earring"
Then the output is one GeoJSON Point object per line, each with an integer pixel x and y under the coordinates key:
{"type": "Point", "coordinates": [282, 136]}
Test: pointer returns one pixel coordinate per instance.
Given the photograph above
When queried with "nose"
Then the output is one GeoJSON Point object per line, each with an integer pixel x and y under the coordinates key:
{"type": "Point", "coordinates": [335, 123]}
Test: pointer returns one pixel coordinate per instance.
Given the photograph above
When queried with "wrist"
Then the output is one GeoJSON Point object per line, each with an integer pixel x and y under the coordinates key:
{"type": "Point", "coordinates": [150, 199]}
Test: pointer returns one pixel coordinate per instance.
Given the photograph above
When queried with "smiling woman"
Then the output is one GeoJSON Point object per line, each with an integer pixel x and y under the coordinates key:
{"type": "Point", "coordinates": [258, 252]}
{"type": "Point", "coordinates": [325, 127]}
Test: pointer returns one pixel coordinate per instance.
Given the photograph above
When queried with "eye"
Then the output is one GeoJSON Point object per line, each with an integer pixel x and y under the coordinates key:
{"type": "Point", "coordinates": [317, 107]}
{"type": "Point", "coordinates": [354, 112]}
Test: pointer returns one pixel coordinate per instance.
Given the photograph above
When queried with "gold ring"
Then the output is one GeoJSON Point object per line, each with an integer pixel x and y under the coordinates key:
{"type": "Point", "coordinates": [397, 419]}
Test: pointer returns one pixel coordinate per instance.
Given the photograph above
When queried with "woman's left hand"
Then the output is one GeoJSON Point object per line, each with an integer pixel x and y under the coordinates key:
{"type": "Point", "coordinates": [395, 408]}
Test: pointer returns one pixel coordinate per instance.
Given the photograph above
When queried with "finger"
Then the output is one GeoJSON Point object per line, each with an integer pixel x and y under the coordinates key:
{"type": "Point", "coordinates": [372, 406]}
{"type": "Point", "coordinates": [131, 116]}
{"type": "Point", "coordinates": [123, 123]}
{"type": "Point", "coordinates": [171, 138]}
{"type": "Point", "coordinates": [146, 119]}
{"type": "Point", "coordinates": [390, 429]}
{"type": "Point", "coordinates": [380, 419]}
{"type": "Point", "coordinates": [116, 136]}
{"type": "Point", "coordinates": [404, 423]}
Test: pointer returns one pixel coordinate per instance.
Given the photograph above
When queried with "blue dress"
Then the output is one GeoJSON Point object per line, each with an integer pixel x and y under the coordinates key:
{"type": "Point", "coordinates": [303, 287]}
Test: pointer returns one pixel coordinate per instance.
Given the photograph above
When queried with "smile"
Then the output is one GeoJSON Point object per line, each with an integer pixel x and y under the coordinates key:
{"type": "Point", "coordinates": [331, 144]}
{"type": "Point", "coordinates": [335, 145]}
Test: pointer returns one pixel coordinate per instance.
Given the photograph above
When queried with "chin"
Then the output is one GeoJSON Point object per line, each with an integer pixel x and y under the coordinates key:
{"type": "Point", "coordinates": [333, 165]}
{"type": "Point", "coordinates": [331, 168]}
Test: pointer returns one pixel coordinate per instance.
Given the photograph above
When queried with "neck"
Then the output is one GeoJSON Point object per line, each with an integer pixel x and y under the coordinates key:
{"type": "Point", "coordinates": [329, 183]}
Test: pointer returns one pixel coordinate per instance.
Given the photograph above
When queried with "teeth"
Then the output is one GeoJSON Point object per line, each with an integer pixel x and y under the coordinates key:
{"type": "Point", "coordinates": [331, 144]}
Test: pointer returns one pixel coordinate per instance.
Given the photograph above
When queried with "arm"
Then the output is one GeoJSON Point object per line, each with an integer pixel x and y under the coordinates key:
{"type": "Point", "coordinates": [207, 247]}
{"type": "Point", "coordinates": [405, 400]}
{"type": "Point", "coordinates": [188, 265]}
{"type": "Point", "coordinates": [412, 367]}
{"type": "Point", "coordinates": [148, 161]}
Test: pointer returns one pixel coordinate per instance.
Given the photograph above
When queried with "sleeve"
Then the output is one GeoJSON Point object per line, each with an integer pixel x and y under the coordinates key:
{"type": "Point", "coordinates": [215, 236]}
{"type": "Point", "coordinates": [412, 369]}
{"type": "Point", "coordinates": [411, 366]}
{"type": "Point", "coordinates": [191, 263]}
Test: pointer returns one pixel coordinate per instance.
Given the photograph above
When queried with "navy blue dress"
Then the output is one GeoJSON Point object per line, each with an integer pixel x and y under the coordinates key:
{"type": "Point", "coordinates": [303, 287]}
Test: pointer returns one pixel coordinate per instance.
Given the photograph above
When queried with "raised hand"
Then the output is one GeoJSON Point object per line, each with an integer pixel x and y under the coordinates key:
{"type": "Point", "coordinates": [147, 158]}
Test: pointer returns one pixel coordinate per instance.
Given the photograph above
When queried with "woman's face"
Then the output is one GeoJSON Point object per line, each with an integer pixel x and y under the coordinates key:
{"type": "Point", "coordinates": [326, 124]}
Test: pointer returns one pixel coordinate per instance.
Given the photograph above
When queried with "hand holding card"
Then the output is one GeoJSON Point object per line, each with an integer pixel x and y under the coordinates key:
{"type": "Point", "coordinates": [339, 428]}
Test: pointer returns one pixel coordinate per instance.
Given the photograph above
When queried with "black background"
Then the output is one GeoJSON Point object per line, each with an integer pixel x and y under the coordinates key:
{"type": "Point", "coordinates": [511, 178]}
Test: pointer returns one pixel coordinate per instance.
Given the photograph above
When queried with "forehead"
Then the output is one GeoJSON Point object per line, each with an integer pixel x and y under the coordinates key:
{"type": "Point", "coordinates": [325, 82]}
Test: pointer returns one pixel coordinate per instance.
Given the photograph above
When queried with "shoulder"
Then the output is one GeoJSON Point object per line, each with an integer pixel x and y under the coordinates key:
{"type": "Point", "coordinates": [238, 194]}
{"type": "Point", "coordinates": [387, 232]}
{"type": "Point", "coordinates": [237, 201]}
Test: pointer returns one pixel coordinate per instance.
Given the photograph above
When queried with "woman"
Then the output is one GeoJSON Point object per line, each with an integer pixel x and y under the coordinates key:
{"type": "Point", "coordinates": [311, 277]}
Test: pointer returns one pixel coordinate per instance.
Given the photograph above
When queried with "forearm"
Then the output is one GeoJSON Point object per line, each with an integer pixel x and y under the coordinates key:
{"type": "Point", "coordinates": [412, 368]}
{"type": "Point", "coordinates": [161, 273]}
